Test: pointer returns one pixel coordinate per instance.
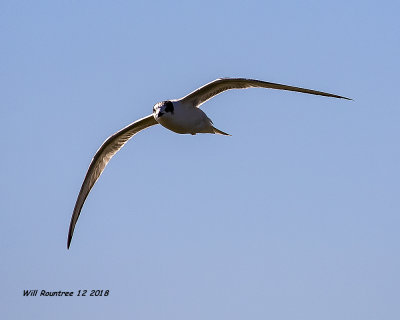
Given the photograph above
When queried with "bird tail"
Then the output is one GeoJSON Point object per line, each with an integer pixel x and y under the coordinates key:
{"type": "Point", "coordinates": [220, 132]}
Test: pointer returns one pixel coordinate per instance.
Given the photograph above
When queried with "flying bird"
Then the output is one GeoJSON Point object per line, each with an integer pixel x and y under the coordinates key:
{"type": "Point", "coordinates": [181, 116]}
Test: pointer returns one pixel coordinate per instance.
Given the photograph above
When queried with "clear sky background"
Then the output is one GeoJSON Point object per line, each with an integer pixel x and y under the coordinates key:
{"type": "Point", "coordinates": [296, 216]}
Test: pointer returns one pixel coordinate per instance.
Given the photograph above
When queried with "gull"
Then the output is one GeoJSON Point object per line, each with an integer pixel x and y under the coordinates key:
{"type": "Point", "coordinates": [179, 115]}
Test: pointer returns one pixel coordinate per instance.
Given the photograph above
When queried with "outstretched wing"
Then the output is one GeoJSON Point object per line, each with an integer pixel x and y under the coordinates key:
{"type": "Point", "coordinates": [107, 150]}
{"type": "Point", "coordinates": [206, 92]}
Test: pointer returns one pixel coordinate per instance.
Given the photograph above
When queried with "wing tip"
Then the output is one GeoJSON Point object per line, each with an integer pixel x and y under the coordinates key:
{"type": "Point", "coordinates": [70, 233]}
{"type": "Point", "coordinates": [350, 99]}
{"type": "Point", "coordinates": [69, 241]}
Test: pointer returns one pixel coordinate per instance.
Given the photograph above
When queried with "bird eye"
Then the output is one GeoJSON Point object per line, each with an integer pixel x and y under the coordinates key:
{"type": "Point", "coordinates": [169, 107]}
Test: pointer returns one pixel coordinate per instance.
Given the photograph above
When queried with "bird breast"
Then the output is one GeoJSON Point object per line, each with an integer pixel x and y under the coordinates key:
{"type": "Point", "coordinates": [186, 120]}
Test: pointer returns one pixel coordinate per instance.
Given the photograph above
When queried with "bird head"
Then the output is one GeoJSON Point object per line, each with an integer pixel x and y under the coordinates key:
{"type": "Point", "coordinates": [162, 109]}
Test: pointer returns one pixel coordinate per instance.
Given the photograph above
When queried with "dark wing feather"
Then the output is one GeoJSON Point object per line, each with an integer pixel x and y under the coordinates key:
{"type": "Point", "coordinates": [107, 150]}
{"type": "Point", "coordinates": [206, 92]}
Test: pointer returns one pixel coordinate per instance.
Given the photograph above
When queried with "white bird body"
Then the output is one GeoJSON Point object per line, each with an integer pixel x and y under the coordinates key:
{"type": "Point", "coordinates": [184, 119]}
{"type": "Point", "coordinates": [181, 116]}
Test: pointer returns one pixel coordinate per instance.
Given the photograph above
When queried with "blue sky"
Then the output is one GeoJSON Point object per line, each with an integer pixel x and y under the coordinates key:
{"type": "Point", "coordinates": [296, 216]}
